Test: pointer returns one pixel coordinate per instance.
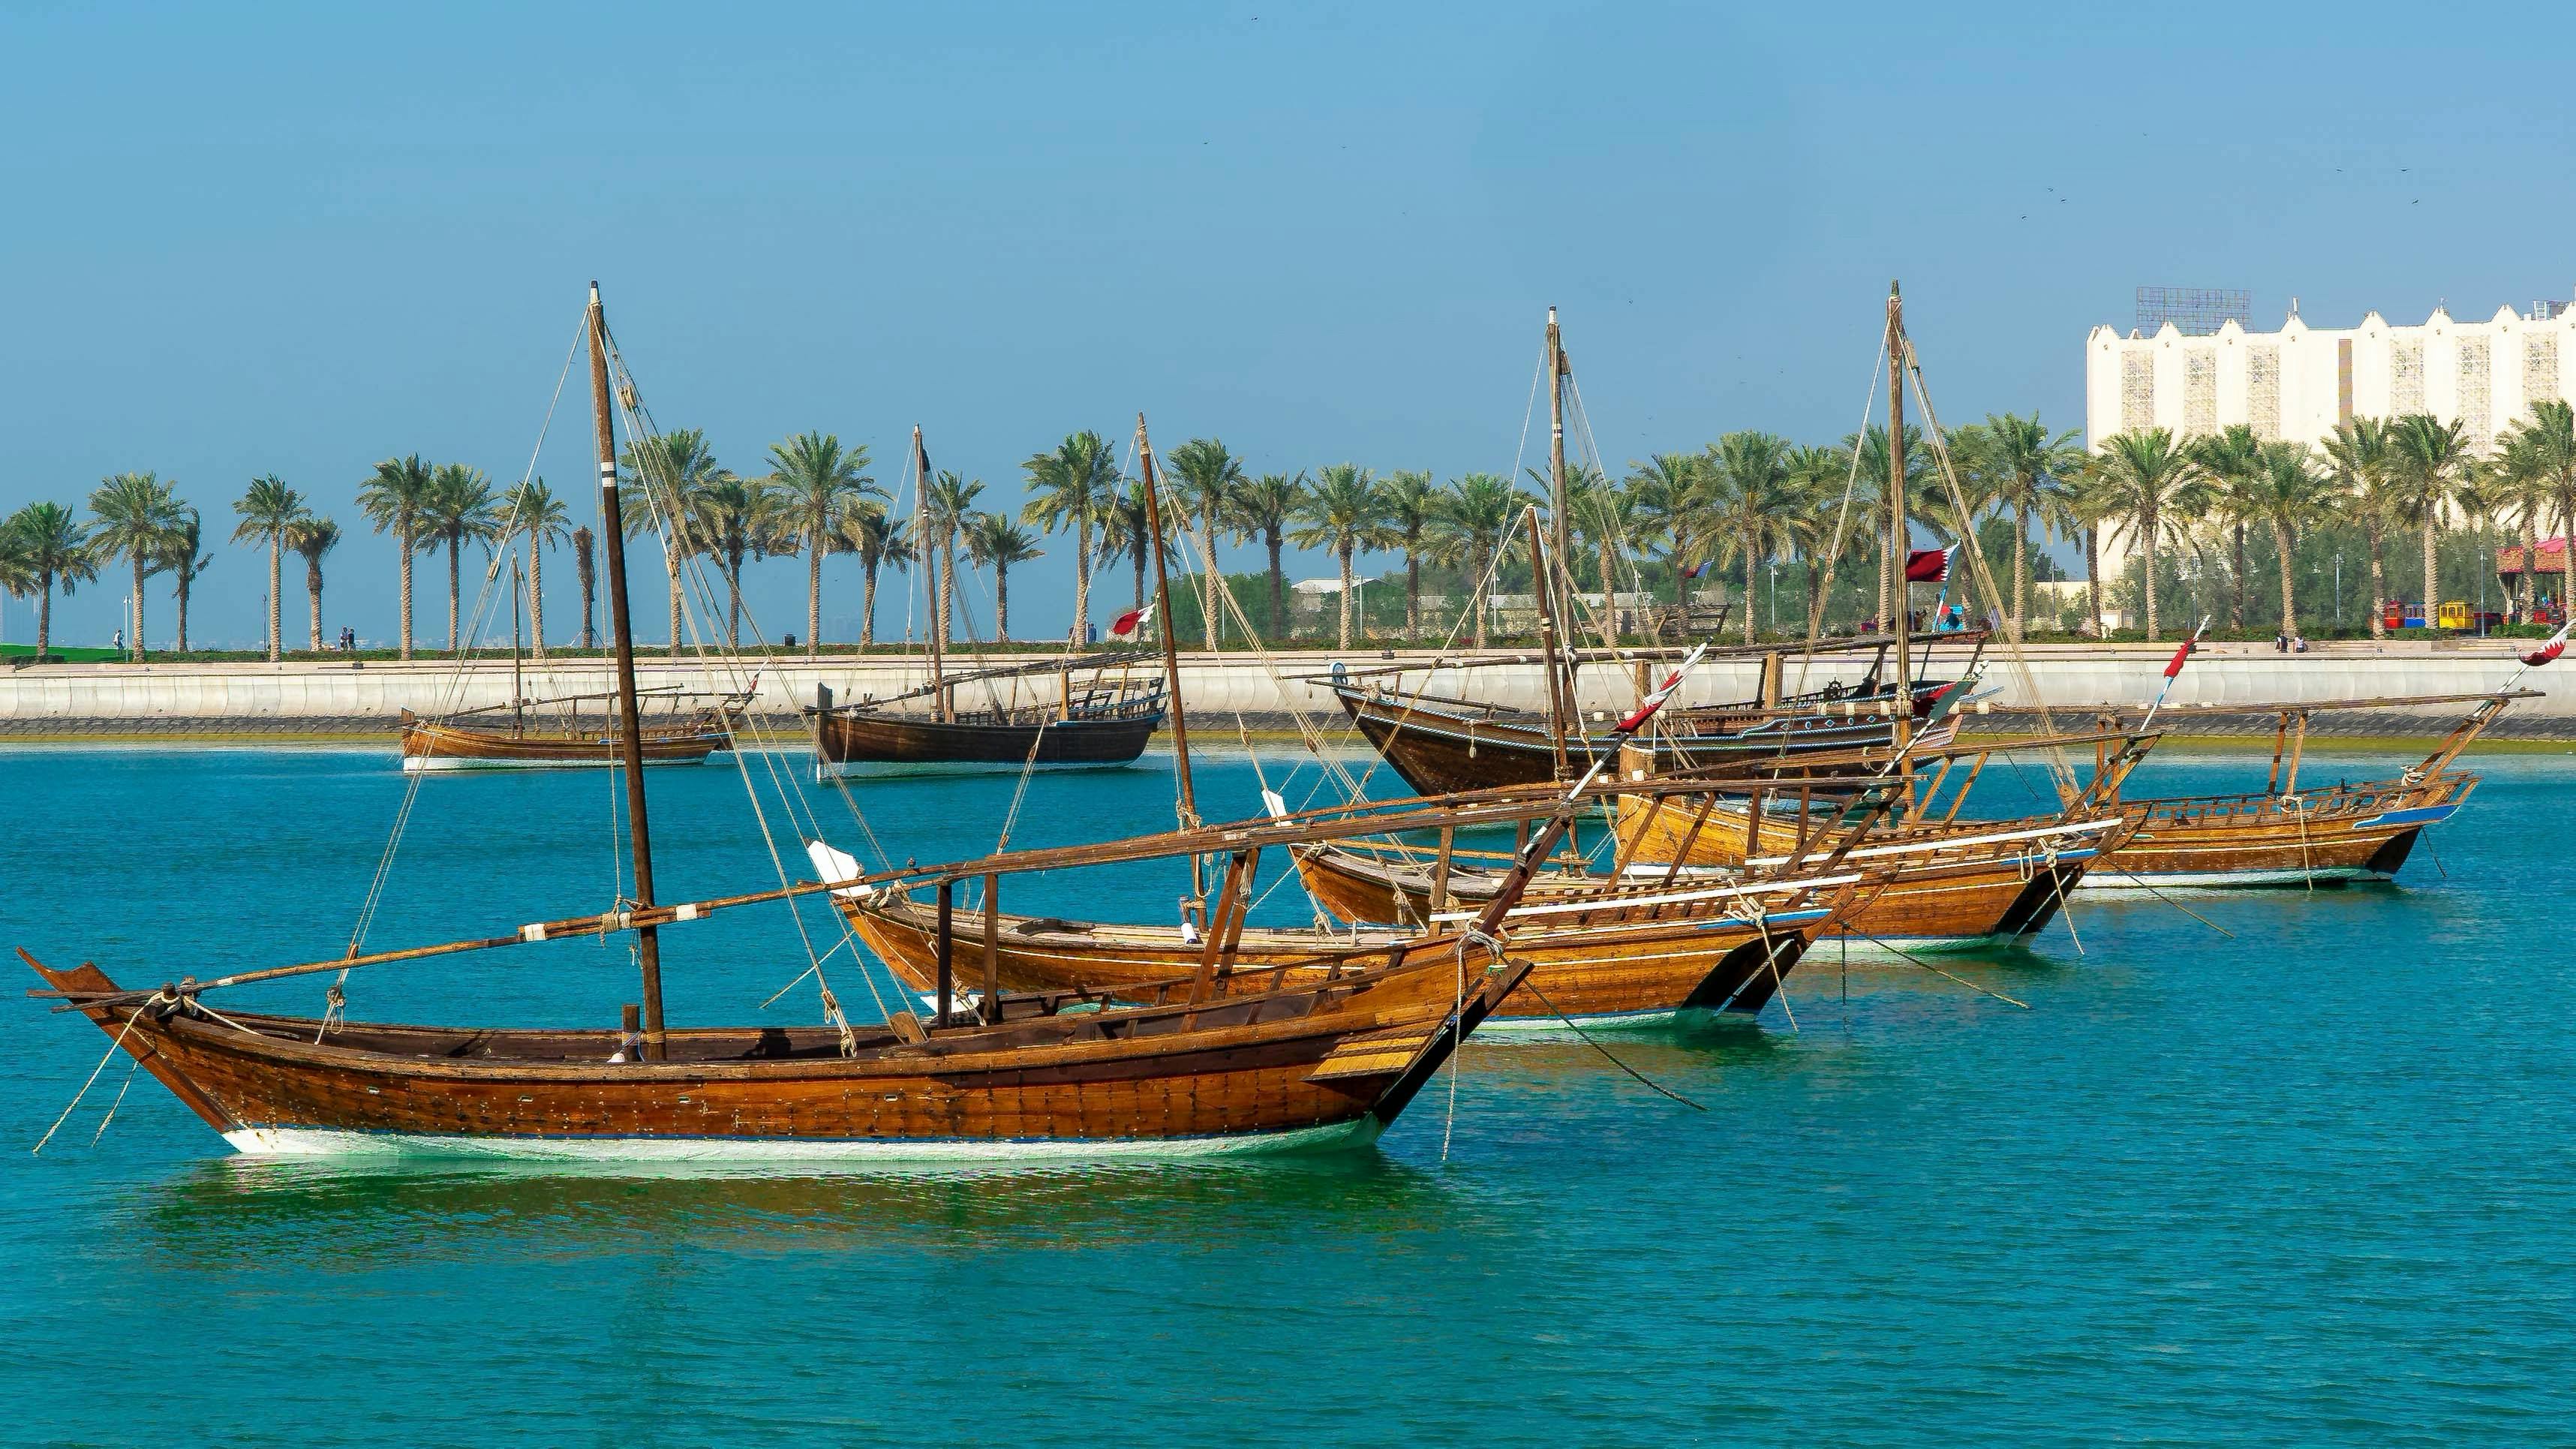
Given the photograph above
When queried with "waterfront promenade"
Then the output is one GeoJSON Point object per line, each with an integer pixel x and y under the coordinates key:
{"type": "Point", "coordinates": [309, 698]}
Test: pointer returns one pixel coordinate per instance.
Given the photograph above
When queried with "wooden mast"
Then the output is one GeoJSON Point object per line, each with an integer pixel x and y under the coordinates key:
{"type": "Point", "coordinates": [518, 690]}
{"type": "Point", "coordinates": [612, 524]}
{"type": "Point", "coordinates": [1186, 802]}
{"type": "Point", "coordinates": [1556, 505]}
{"type": "Point", "coordinates": [1540, 563]}
{"type": "Point", "coordinates": [930, 576]}
{"type": "Point", "coordinates": [1897, 539]}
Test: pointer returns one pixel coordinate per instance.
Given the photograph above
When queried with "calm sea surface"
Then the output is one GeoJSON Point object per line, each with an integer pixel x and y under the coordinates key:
{"type": "Point", "coordinates": [2313, 1183]}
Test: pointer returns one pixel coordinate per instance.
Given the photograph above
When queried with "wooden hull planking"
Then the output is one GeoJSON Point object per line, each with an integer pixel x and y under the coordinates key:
{"type": "Point", "coordinates": [1320, 1064]}
{"type": "Point", "coordinates": [432, 746]}
{"type": "Point", "coordinates": [856, 742]}
{"type": "Point", "coordinates": [2324, 837]}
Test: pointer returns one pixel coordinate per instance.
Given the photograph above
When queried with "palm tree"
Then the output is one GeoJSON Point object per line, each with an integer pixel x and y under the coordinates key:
{"type": "Point", "coordinates": [2520, 488]}
{"type": "Point", "coordinates": [1411, 504]}
{"type": "Point", "coordinates": [531, 511]}
{"type": "Point", "coordinates": [585, 566]}
{"type": "Point", "coordinates": [1204, 478]}
{"type": "Point", "coordinates": [135, 512]}
{"type": "Point", "coordinates": [1817, 524]}
{"type": "Point", "coordinates": [2153, 487]}
{"type": "Point", "coordinates": [996, 541]}
{"type": "Point", "coordinates": [313, 537]}
{"type": "Point", "coordinates": [1342, 512]}
{"type": "Point", "coordinates": [2357, 455]}
{"type": "Point", "coordinates": [947, 506]}
{"type": "Point", "coordinates": [815, 481]}
{"type": "Point", "coordinates": [48, 545]}
{"type": "Point", "coordinates": [1121, 521]}
{"type": "Point", "coordinates": [2027, 470]}
{"type": "Point", "coordinates": [2544, 450]}
{"type": "Point", "coordinates": [1475, 521]}
{"type": "Point", "coordinates": [1263, 509]}
{"type": "Point", "coordinates": [655, 478]}
{"type": "Point", "coordinates": [268, 509]}
{"type": "Point", "coordinates": [1869, 482]}
{"type": "Point", "coordinates": [1669, 489]}
{"type": "Point", "coordinates": [2230, 462]}
{"type": "Point", "coordinates": [871, 531]}
{"type": "Point", "coordinates": [1070, 488]}
{"type": "Point", "coordinates": [1752, 501]}
{"type": "Point", "coordinates": [2428, 466]}
{"type": "Point", "coordinates": [180, 557]}
{"type": "Point", "coordinates": [395, 499]}
{"type": "Point", "coordinates": [2287, 491]}
{"type": "Point", "coordinates": [728, 518]}
{"type": "Point", "coordinates": [459, 508]}
{"type": "Point", "coordinates": [1606, 517]}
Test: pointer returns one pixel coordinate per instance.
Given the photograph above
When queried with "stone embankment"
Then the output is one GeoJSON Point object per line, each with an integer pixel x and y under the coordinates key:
{"type": "Point", "coordinates": [321, 698]}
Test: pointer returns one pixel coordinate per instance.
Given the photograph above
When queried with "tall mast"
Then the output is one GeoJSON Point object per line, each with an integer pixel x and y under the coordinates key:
{"type": "Point", "coordinates": [1188, 801]}
{"type": "Point", "coordinates": [929, 574]}
{"type": "Point", "coordinates": [630, 734]}
{"type": "Point", "coordinates": [1556, 509]}
{"type": "Point", "coordinates": [1556, 702]}
{"type": "Point", "coordinates": [518, 691]}
{"type": "Point", "coordinates": [1897, 539]}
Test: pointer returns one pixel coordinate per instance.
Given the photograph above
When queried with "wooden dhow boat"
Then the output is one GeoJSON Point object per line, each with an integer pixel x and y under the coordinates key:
{"type": "Point", "coordinates": [558, 734]}
{"type": "Point", "coordinates": [1225, 1067]}
{"type": "Point", "coordinates": [1103, 722]}
{"type": "Point", "coordinates": [2284, 836]}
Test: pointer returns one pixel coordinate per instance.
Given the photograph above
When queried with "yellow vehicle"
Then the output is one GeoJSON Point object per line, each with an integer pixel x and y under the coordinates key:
{"type": "Point", "coordinates": [2455, 615]}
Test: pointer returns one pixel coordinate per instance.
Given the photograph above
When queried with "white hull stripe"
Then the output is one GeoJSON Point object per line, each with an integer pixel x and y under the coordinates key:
{"type": "Point", "coordinates": [333, 1142]}
{"type": "Point", "coordinates": [1768, 888]}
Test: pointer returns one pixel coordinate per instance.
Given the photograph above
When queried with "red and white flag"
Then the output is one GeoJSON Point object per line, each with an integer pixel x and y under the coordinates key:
{"type": "Point", "coordinates": [1131, 623]}
{"type": "Point", "coordinates": [1664, 691]}
{"type": "Point", "coordinates": [1929, 565]}
{"type": "Point", "coordinates": [2556, 645]}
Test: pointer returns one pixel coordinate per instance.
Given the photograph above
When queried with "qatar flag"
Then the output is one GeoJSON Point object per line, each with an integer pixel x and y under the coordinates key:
{"type": "Point", "coordinates": [1131, 623]}
{"type": "Point", "coordinates": [2174, 666]}
{"type": "Point", "coordinates": [1929, 565]}
{"type": "Point", "coordinates": [2556, 645]}
{"type": "Point", "coordinates": [1664, 691]}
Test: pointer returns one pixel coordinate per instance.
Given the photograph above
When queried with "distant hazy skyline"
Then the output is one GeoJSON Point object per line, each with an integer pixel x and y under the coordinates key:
{"type": "Point", "coordinates": [298, 239]}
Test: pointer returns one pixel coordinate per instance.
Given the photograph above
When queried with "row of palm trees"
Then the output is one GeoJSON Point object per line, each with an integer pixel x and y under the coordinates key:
{"type": "Point", "coordinates": [1749, 500]}
{"type": "Point", "coordinates": [2414, 473]}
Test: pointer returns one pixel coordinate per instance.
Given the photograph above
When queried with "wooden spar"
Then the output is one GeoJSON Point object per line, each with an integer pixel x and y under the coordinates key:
{"type": "Point", "coordinates": [1556, 501]}
{"type": "Point", "coordinates": [2298, 746]}
{"type": "Point", "coordinates": [612, 527]}
{"type": "Point", "coordinates": [1440, 869]}
{"type": "Point", "coordinates": [2280, 741]}
{"type": "Point", "coordinates": [930, 576]}
{"type": "Point", "coordinates": [1186, 801]}
{"type": "Point", "coordinates": [1226, 926]}
{"type": "Point", "coordinates": [1541, 561]}
{"type": "Point", "coordinates": [1898, 540]}
{"type": "Point", "coordinates": [992, 1012]}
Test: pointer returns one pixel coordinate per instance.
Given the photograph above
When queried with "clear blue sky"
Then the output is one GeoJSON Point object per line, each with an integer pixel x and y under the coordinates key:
{"type": "Point", "coordinates": [298, 239]}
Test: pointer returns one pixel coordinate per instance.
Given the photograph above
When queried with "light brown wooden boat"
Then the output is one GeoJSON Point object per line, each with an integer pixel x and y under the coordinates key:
{"type": "Point", "coordinates": [480, 740]}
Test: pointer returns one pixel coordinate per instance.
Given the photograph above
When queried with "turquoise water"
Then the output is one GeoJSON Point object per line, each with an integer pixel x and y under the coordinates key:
{"type": "Point", "coordinates": [2314, 1183]}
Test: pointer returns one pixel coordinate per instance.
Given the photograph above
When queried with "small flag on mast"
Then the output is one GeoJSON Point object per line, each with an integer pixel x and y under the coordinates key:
{"type": "Point", "coordinates": [2555, 646]}
{"type": "Point", "coordinates": [1664, 691]}
{"type": "Point", "coordinates": [1929, 565]}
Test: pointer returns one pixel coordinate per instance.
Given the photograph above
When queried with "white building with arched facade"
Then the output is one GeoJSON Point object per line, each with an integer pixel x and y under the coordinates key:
{"type": "Point", "coordinates": [2300, 382]}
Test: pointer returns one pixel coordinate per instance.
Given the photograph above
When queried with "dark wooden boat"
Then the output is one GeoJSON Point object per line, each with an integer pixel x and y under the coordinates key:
{"type": "Point", "coordinates": [1106, 725]}
{"type": "Point", "coordinates": [1217, 1066]}
{"type": "Point", "coordinates": [1445, 744]}
{"type": "Point", "coordinates": [2283, 836]}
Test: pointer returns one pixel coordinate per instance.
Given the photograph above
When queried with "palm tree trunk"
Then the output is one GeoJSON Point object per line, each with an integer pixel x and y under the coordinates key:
{"type": "Point", "coordinates": [1748, 593]}
{"type": "Point", "coordinates": [2530, 557]}
{"type": "Point", "coordinates": [947, 589]}
{"type": "Point", "coordinates": [1412, 593]}
{"type": "Point", "coordinates": [733, 607]}
{"type": "Point", "coordinates": [1886, 551]}
{"type": "Point", "coordinates": [1476, 592]}
{"type": "Point", "coordinates": [1345, 552]}
{"type": "Point", "coordinates": [180, 590]}
{"type": "Point", "coordinates": [1208, 624]}
{"type": "Point", "coordinates": [1610, 592]}
{"type": "Point", "coordinates": [1278, 587]}
{"type": "Point", "coordinates": [674, 587]}
{"type": "Point", "coordinates": [2021, 570]}
{"type": "Point", "coordinates": [313, 597]}
{"type": "Point", "coordinates": [1139, 557]}
{"type": "Point", "coordinates": [2093, 576]}
{"type": "Point", "coordinates": [276, 607]}
{"type": "Point", "coordinates": [536, 596]}
{"type": "Point", "coordinates": [2289, 605]}
{"type": "Point", "coordinates": [2236, 600]}
{"type": "Point", "coordinates": [1001, 601]}
{"type": "Point", "coordinates": [137, 651]}
{"type": "Point", "coordinates": [1081, 580]}
{"type": "Point", "coordinates": [2432, 578]}
{"type": "Point", "coordinates": [867, 602]}
{"type": "Point", "coordinates": [44, 617]}
{"type": "Point", "coordinates": [2148, 532]}
{"type": "Point", "coordinates": [455, 591]}
{"type": "Point", "coordinates": [814, 595]}
{"type": "Point", "coordinates": [2378, 583]}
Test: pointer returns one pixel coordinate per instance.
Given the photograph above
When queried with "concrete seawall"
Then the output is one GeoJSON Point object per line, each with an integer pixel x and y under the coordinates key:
{"type": "Point", "coordinates": [314, 697]}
